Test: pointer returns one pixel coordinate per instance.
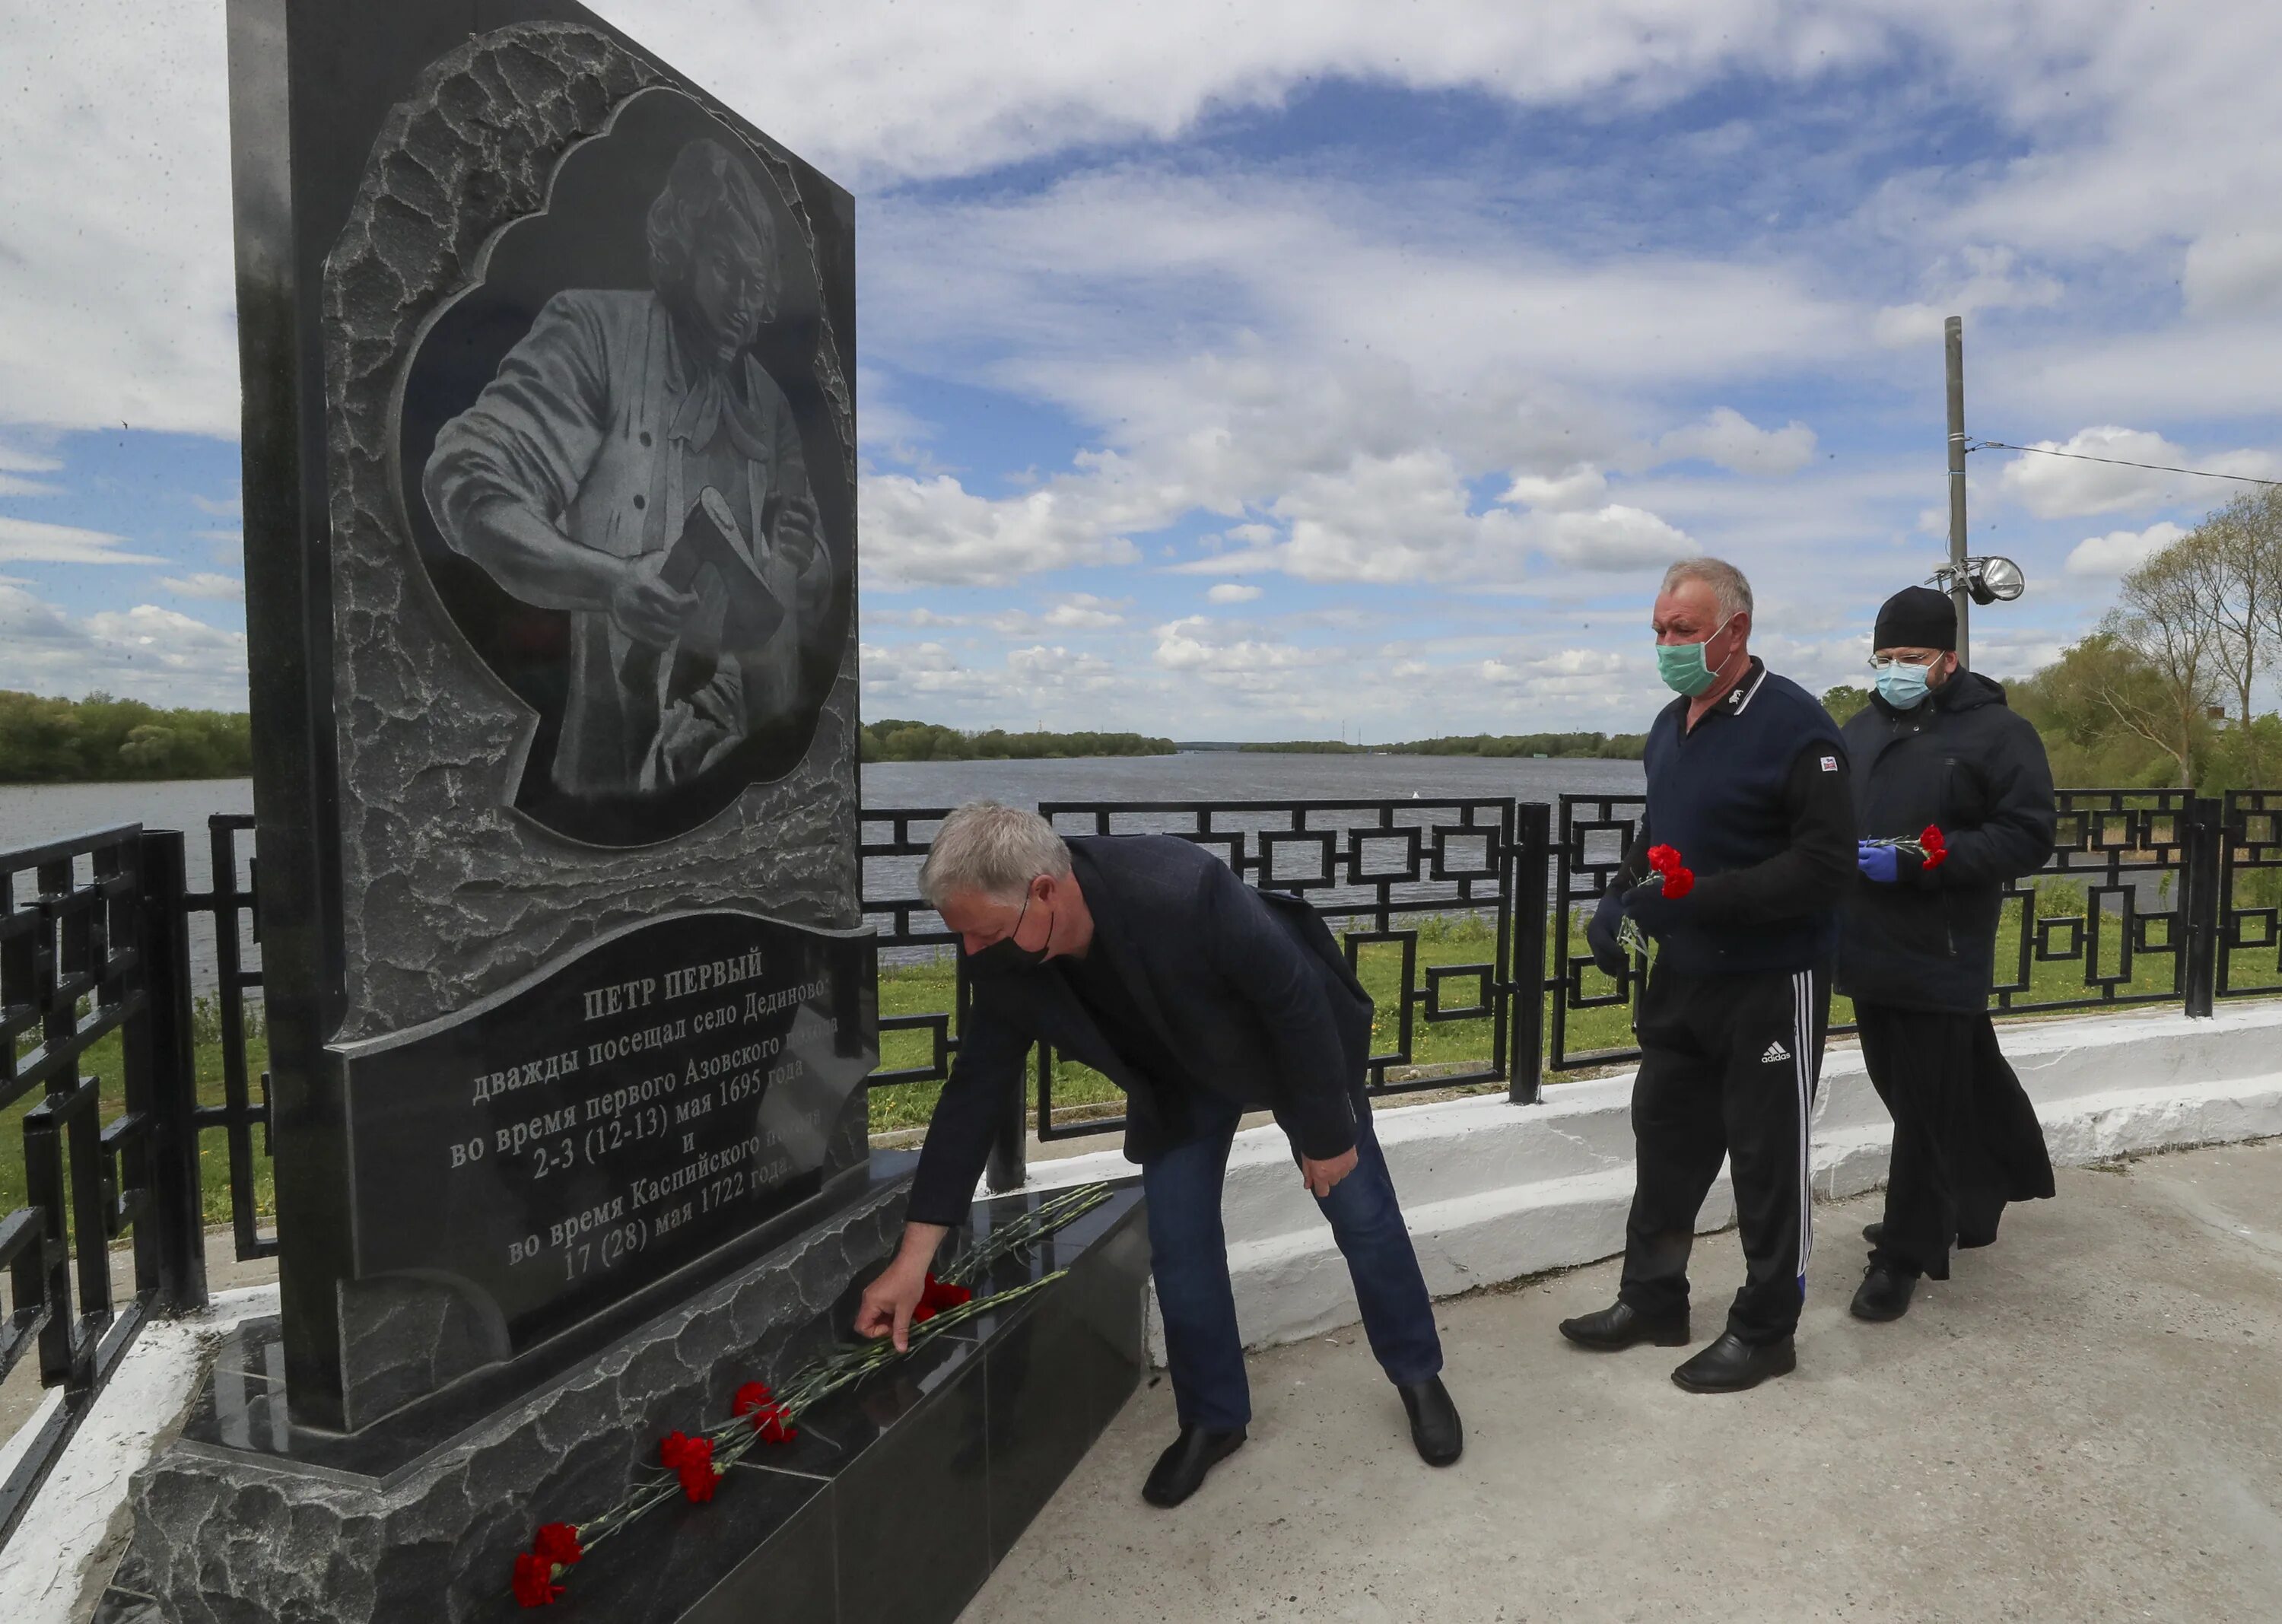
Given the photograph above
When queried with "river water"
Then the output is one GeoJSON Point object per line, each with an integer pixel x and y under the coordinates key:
{"type": "Point", "coordinates": [33, 814]}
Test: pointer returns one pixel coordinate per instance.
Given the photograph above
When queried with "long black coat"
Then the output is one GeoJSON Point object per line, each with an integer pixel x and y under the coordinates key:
{"type": "Point", "coordinates": [1964, 763]}
{"type": "Point", "coordinates": [1246, 990]}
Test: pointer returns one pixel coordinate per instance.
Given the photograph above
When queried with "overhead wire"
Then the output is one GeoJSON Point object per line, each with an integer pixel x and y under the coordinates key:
{"type": "Point", "coordinates": [2079, 456]}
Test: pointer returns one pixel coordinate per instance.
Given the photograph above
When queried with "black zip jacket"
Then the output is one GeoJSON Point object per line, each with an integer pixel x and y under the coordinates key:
{"type": "Point", "coordinates": [1755, 799]}
{"type": "Point", "coordinates": [1249, 993]}
{"type": "Point", "coordinates": [1964, 762]}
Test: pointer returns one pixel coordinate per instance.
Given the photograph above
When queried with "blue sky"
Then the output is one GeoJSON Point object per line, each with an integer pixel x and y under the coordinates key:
{"type": "Point", "coordinates": [1260, 372]}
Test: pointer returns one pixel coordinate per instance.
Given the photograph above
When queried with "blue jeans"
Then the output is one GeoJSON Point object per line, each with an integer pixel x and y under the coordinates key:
{"type": "Point", "coordinates": [1190, 1261]}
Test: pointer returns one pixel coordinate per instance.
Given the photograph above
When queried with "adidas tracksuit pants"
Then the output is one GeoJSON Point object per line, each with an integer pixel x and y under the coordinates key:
{"type": "Point", "coordinates": [1729, 1065]}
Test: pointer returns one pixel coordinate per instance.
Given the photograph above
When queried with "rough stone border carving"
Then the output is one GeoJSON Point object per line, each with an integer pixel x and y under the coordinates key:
{"type": "Point", "coordinates": [453, 893]}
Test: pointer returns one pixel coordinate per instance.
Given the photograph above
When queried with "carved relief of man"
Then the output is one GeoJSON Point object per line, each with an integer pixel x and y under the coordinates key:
{"type": "Point", "coordinates": [633, 462]}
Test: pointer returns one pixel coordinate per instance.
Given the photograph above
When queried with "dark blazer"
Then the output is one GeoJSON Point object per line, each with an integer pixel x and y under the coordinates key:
{"type": "Point", "coordinates": [1246, 989]}
{"type": "Point", "coordinates": [1964, 761]}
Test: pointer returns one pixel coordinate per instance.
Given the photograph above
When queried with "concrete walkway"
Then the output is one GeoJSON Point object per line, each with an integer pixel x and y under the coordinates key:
{"type": "Point", "coordinates": [2084, 1424]}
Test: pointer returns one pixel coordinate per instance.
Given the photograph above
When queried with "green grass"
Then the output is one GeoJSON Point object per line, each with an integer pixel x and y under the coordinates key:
{"type": "Point", "coordinates": [103, 1061]}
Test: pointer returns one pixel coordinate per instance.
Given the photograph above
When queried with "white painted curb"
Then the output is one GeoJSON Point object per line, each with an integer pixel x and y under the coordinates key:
{"type": "Point", "coordinates": [66, 1527]}
{"type": "Point", "coordinates": [1494, 1191]}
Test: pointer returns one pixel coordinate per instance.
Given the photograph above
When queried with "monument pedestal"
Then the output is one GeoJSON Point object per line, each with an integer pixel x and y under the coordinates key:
{"type": "Point", "coordinates": [896, 1500]}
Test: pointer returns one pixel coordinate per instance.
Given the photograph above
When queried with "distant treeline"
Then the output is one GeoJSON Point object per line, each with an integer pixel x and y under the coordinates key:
{"type": "Point", "coordinates": [100, 738]}
{"type": "Point", "coordinates": [902, 740]}
{"type": "Point", "coordinates": [1598, 746]}
{"type": "Point", "coordinates": [1304, 747]}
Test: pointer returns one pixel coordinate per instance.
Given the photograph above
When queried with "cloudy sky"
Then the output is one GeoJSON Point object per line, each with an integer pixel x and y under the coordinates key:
{"type": "Point", "coordinates": [1265, 370]}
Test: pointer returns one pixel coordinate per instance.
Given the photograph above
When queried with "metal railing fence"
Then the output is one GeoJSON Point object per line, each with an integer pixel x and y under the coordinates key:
{"type": "Point", "coordinates": [94, 979]}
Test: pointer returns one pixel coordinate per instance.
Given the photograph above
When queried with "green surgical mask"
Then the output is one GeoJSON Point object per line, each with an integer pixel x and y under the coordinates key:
{"type": "Point", "coordinates": [1681, 665]}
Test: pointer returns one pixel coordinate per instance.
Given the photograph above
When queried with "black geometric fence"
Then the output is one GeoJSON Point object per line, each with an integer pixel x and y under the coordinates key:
{"type": "Point", "coordinates": [2136, 905]}
{"type": "Point", "coordinates": [1375, 869]}
{"type": "Point", "coordinates": [94, 972]}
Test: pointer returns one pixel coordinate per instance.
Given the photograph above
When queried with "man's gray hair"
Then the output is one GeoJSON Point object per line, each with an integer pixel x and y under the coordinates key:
{"type": "Point", "coordinates": [1729, 589]}
{"type": "Point", "coordinates": [986, 849]}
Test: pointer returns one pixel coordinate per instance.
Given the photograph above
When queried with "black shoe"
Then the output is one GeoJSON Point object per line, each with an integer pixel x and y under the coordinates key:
{"type": "Point", "coordinates": [1434, 1425]}
{"type": "Point", "coordinates": [1181, 1469]}
{"type": "Point", "coordinates": [1873, 1233]}
{"type": "Point", "coordinates": [1731, 1365]}
{"type": "Point", "coordinates": [1884, 1292]}
{"type": "Point", "coordinates": [1620, 1326]}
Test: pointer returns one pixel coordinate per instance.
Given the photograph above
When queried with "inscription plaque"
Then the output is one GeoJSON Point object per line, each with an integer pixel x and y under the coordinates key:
{"type": "Point", "coordinates": [547, 1153]}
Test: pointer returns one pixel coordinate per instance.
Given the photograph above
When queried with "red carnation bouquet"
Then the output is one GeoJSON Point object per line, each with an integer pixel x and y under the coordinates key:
{"type": "Point", "coordinates": [690, 1467]}
{"type": "Point", "coordinates": [1930, 850]}
{"type": "Point", "coordinates": [1676, 878]}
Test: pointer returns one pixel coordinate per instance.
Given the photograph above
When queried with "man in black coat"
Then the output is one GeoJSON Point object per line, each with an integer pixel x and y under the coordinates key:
{"type": "Point", "coordinates": [1936, 746]}
{"type": "Point", "coordinates": [1147, 959]}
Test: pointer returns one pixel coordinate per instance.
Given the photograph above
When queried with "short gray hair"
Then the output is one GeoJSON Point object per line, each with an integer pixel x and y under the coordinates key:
{"type": "Point", "coordinates": [1729, 589]}
{"type": "Point", "coordinates": [990, 851]}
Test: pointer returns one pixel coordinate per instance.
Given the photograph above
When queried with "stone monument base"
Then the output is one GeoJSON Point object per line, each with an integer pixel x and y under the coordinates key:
{"type": "Point", "coordinates": [896, 1500]}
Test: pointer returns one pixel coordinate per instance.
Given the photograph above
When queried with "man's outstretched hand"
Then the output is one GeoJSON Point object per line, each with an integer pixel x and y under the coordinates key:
{"type": "Point", "coordinates": [888, 1304]}
{"type": "Point", "coordinates": [1322, 1175]}
{"type": "Point", "coordinates": [889, 1300]}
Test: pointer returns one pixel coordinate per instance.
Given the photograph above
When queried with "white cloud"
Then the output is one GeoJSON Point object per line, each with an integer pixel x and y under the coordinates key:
{"type": "Point", "coordinates": [935, 531]}
{"type": "Point", "coordinates": [1613, 537]}
{"type": "Point", "coordinates": [1231, 592]}
{"type": "Point", "coordinates": [117, 288]}
{"type": "Point", "coordinates": [2066, 488]}
{"type": "Point", "coordinates": [29, 541]}
{"type": "Point", "coordinates": [2233, 272]}
{"type": "Point", "coordinates": [1733, 441]}
{"type": "Point", "coordinates": [1980, 277]}
{"type": "Point", "coordinates": [1580, 486]}
{"type": "Point", "coordinates": [148, 653]}
{"type": "Point", "coordinates": [204, 583]}
{"type": "Point", "coordinates": [16, 484]}
{"type": "Point", "coordinates": [2120, 552]}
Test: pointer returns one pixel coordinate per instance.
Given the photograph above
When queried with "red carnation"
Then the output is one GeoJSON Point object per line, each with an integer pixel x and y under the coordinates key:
{"type": "Point", "coordinates": [558, 1543]}
{"type": "Point", "coordinates": [769, 1419]}
{"type": "Point", "coordinates": [1663, 859]}
{"type": "Point", "coordinates": [690, 1459]}
{"type": "Point", "coordinates": [534, 1581]}
{"type": "Point", "coordinates": [1936, 848]}
{"type": "Point", "coordinates": [1679, 881]}
{"type": "Point", "coordinates": [937, 1296]}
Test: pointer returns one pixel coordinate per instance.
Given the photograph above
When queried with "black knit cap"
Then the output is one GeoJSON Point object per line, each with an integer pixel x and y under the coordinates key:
{"type": "Point", "coordinates": [1916, 618]}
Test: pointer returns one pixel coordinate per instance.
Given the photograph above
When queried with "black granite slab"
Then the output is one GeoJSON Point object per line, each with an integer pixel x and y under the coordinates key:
{"type": "Point", "coordinates": [895, 1502]}
{"type": "Point", "coordinates": [463, 777]}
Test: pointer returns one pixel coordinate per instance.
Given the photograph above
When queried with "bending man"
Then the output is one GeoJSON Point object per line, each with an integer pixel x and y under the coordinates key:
{"type": "Point", "coordinates": [1938, 745]}
{"type": "Point", "coordinates": [1746, 781]}
{"type": "Point", "coordinates": [1145, 957]}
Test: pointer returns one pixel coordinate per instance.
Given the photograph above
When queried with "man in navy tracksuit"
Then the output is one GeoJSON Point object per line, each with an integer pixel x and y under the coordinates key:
{"type": "Point", "coordinates": [1747, 782]}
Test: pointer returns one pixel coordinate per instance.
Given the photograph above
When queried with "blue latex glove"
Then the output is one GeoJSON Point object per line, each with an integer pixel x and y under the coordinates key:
{"type": "Point", "coordinates": [1601, 934]}
{"type": "Point", "coordinates": [1880, 863]}
{"type": "Point", "coordinates": [1654, 912]}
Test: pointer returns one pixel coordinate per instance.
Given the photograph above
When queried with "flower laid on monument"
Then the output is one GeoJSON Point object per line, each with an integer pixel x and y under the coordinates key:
{"type": "Point", "coordinates": [761, 1413]}
{"type": "Point", "coordinates": [939, 1295]}
{"type": "Point", "coordinates": [1930, 850]}
{"type": "Point", "coordinates": [1677, 880]}
{"type": "Point", "coordinates": [535, 1584]}
{"type": "Point", "coordinates": [557, 1543]}
{"type": "Point", "coordinates": [757, 1403]}
{"type": "Point", "coordinates": [691, 1459]}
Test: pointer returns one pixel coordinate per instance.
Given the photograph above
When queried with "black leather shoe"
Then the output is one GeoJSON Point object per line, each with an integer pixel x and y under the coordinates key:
{"type": "Point", "coordinates": [1181, 1469]}
{"type": "Point", "coordinates": [1874, 1232]}
{"type": "Point", "coordinates": [1434, 1425]}
{"type": "Point", "coordinates": [1884, 1292]}
{"type": "Point", "coordinates": [1620, 1326]}
{"type": "Point", "coordinates": [1731, 1365]}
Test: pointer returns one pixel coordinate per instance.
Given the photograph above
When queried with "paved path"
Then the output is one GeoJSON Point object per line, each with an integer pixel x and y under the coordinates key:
{"type": "Point", "coordinates": [2084, 1424]}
